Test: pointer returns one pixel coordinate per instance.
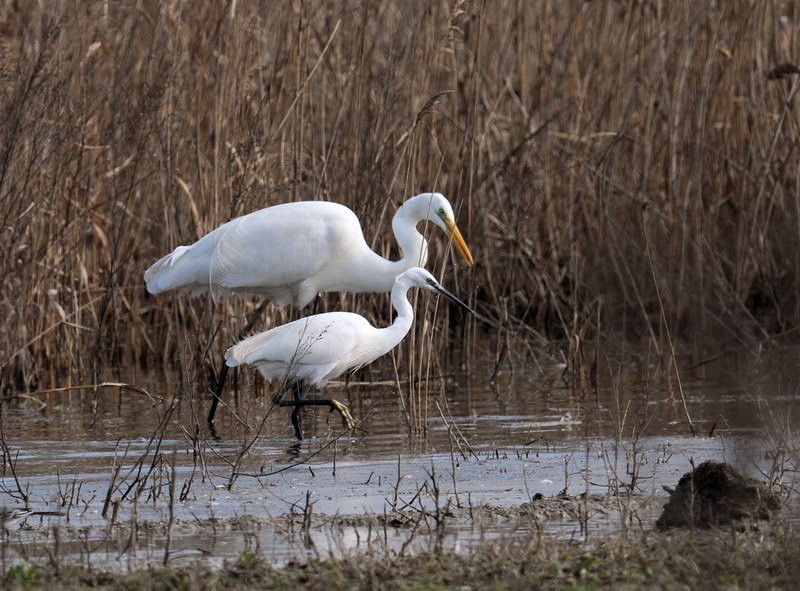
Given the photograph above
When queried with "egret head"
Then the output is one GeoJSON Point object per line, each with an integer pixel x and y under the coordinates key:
{"type": "Point", "coordinates": [436, 208]}
{"type": "Point", "coordinates": [419, 277]}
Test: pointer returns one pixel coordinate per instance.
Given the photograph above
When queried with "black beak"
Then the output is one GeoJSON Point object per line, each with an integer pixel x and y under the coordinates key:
{"type": "Point", "coordinates": [453, 298]}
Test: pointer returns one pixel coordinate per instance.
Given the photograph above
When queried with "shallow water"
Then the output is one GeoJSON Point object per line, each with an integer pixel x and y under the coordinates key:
{"type": "Point", "coordinates": [483, 445]}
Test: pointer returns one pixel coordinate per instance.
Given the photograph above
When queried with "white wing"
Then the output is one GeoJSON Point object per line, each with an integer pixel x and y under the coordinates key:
{"type": "Point", "coordinates": [186, 267]}
{"type": "Point", "coordinates": [315, 348]}
{"type": "Point", "coordinates": [271, 252]}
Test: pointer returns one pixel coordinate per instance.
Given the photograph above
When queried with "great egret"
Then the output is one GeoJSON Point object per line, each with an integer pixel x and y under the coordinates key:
{"type": "Point", "coordinates": [289, 253]}
{"type": "Point", "coordinates": [312, 350]}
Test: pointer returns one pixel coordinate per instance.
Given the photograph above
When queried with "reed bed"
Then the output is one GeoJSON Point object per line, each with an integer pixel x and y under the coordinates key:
{"type": "Point", "coordinates": [620, 169]}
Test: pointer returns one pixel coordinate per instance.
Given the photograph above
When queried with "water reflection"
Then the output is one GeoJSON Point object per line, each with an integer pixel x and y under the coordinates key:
{"type": "Point", "coordinates": [733, 392]}
{"type": "Point", "coordinates": [481, 443]}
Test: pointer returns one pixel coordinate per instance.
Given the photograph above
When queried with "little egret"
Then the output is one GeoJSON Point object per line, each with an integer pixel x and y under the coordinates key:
{"type": "Point", "coordinates": [312, 350]}
{"type": "Point", "coordinates": [289, 253]}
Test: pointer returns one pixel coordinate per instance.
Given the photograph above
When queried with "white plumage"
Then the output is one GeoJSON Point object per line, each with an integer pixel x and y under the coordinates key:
{"type": "Point", "coordinates": [315, 349]}
{"type": "Point", "coordinates": [289, 253]}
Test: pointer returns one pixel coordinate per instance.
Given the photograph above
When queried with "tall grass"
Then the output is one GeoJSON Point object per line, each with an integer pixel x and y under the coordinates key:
{"type": "Point", "coordinates": [599, 155]}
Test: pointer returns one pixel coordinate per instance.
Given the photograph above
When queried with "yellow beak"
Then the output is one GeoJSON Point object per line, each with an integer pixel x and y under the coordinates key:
{"type": "Point", "coordinates": [458, 240]}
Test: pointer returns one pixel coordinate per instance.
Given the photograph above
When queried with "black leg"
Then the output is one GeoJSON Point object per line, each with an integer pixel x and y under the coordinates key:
{"type": "Point", "coordinates": [296, 416]}
{"type": "Point", "coordinates": [298, 429]}
{"type": "Point", "coordinates": [300, 401]}
{"type": "Point", "coordinates": [223, 372]}
{"type": "Point", "coordinates": [223, 375]}
{"type": "Point", "coordinates": [297, 402]}
{"type": "Point", "coordinates": [298, 395]}
{"type": "Point", "coordinates": [286, 387]}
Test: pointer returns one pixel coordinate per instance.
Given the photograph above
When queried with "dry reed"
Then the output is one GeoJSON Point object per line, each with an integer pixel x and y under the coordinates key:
{"type": "Point", "coordinates": [568, 136]}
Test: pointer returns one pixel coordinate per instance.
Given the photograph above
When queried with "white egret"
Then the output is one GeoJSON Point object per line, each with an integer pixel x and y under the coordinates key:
{"type": "Point", "coordinates": [312, 350]}
{"type": "Point", "coordinates": [289, 253]}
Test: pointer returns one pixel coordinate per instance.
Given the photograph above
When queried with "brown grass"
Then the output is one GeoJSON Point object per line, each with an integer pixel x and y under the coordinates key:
{"type": "Point", "coordinates": [593, 151]}
{"type": "Point", "coordinates": [685, 560]}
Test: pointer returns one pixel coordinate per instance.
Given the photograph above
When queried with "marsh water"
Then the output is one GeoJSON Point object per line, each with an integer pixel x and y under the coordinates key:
{"type": "Point", "coordinates": [489, 458]}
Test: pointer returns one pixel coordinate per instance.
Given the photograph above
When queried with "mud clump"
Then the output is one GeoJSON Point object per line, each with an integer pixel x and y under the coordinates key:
{"type": "Point", "coordinates": [716, 494]}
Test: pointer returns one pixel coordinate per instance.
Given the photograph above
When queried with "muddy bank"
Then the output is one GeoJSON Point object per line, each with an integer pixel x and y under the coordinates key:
{"type": "Point", "coordinates": [634, 559]}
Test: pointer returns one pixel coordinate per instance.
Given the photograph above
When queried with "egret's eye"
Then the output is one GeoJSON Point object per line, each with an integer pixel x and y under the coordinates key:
{"type": "Point", "coordinates": [441, 213]}
{"type": "Point", "coordinates": [430, 281]}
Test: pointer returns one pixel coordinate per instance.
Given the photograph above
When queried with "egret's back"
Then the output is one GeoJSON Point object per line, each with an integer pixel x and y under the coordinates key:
{"type": "Point", "coordinates": [314, 349]}
{"type": "Point", "coordinates": [287, 253]}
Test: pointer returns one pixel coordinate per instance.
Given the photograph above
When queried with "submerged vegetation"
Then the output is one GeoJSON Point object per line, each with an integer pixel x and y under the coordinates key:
{"type": "Point", "coordinates": [622, 169]}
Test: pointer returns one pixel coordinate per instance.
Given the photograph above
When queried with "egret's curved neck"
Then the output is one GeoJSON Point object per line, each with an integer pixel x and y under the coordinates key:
{"type": "Point", "coordinates": [411, 242]}
{"type": "Point", "coordinates": [395, 332]}
{"type": "Point", "coordinates": [376, 274]}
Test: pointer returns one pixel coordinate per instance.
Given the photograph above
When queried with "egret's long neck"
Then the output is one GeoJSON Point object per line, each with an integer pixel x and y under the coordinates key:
{"type": "Point", "coordinates": [411, 242]}
{"type": "Point", "coordinates": [376, 273]}
{"type": "Point", "coordinates": [395, 333]}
